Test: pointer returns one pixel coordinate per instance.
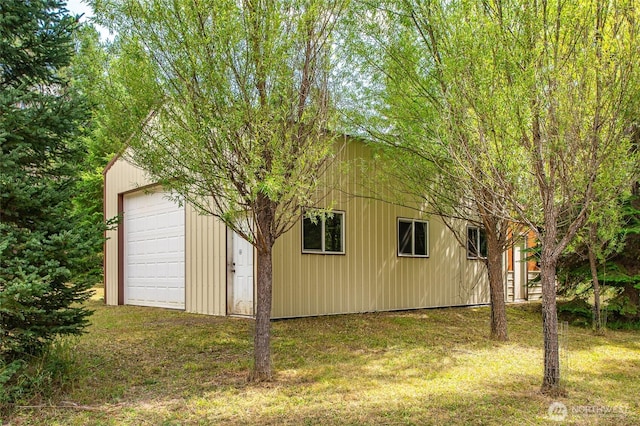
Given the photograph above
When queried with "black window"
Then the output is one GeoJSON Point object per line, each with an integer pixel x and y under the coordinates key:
{"type": "Point", "coordinates": [323, 233]}
{"type": "Point", "coordinates": [413, 238]}
{"type": "Point", "coordinates": [333, 233]}
{"type": "Point", "coordinates": [476, 242]}
{"type": "Point", "coordinates": [312, 234]}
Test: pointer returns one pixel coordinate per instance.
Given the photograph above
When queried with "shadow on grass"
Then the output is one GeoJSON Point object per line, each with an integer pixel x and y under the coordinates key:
{"type": "Point", "coordinates": [418, 367]}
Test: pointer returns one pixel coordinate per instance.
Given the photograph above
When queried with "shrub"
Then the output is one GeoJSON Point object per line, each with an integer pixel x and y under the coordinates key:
{"type": "Point", "coordinates": [40, 377]}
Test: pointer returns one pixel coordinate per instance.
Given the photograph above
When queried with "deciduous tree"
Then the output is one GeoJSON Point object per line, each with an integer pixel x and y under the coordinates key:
{"type": "Point", "coordinates": [420, 130]}
{"type": "Point", "coordinates": [530, 101]}
{"type": "Point", "coordinates": [236, 98]}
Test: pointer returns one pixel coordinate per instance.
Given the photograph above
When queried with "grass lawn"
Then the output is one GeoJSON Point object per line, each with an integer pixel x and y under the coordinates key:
{"type": "Point", "coordinates": [143, 366]}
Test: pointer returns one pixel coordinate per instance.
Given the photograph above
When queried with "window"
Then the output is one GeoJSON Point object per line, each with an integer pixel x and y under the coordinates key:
{"type": "Point", "coordinates": [413, 238]}
{"type": "Point", "coordinates": [476, 243]}
{"type": "Point", "coordinates": [326, 235]}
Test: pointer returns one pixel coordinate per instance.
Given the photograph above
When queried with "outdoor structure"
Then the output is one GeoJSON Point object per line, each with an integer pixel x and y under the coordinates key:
{"type": "Point", "coordinates": [368, 255]}
{"type": "Point", "coordinates": [521, 271]}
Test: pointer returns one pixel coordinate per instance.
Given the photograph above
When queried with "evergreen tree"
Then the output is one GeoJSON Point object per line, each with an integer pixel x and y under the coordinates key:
{"type": "Point", "coordinates": [616, 267]}
{"type": "Point", "coordinates": [43, 242]}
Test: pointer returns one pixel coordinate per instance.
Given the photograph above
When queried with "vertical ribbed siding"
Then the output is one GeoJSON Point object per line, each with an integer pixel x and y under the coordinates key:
{"type": "Point", "coordinates": [206, 264]}
{"type": "Point", "coordinates": [370, 276]}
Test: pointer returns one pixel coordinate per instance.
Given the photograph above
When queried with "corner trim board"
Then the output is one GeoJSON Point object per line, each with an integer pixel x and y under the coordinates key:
{"type": "Point", "coordinates": [121, 250]}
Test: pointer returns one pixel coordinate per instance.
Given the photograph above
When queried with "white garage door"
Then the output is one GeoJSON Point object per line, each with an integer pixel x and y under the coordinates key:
{"type": "Point", "coordinates": [153, 251]}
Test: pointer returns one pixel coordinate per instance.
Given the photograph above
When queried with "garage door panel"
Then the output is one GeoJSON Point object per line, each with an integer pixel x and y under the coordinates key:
{"type": "Point", "coordinates": [154, 251]}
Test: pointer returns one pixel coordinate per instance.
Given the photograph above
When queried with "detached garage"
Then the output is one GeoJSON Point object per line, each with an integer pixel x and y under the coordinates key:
{"type": "Point", "coordinates": [370, 256]}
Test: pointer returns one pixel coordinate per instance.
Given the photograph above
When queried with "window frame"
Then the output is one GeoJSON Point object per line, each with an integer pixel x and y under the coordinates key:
{"type": "Point", "coordinates": [478, 243]}
{"type": "Point", "coordinates": [322, 221]}
{"type": "Point", "coordinates": [413, 237]}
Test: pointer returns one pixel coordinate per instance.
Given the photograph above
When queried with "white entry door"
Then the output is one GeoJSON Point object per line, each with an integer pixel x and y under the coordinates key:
{"type": "Point", "coordinates": [242, 287]}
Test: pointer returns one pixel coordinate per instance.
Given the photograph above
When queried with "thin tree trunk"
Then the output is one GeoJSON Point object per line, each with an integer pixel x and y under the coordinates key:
{"type": "Point", "coordinates": [593, 231]}
{"type": "Point", "coordinates": [496, 289]}
{"type": "Point", "coordinates": [264, 219]}
{"type": "Point", "coordinates": [551, 378]}
{"type": "Point", "coordinates": [262, 337]}
{"type": "Point", "coordinates": [593, 264]}
{"type": "Point", "coordinates": [596, 290]}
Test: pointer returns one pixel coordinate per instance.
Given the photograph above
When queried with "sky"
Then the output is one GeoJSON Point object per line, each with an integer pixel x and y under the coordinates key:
{"type": "Point", "coordinates": [78, 7]}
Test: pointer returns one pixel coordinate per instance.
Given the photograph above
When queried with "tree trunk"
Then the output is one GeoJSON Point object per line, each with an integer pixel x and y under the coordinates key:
{"type": "Point", "coordinates": [262, 349]}
{"type": "Point", "coordinates": [551, 378]}
{"type": "Point", "coordinates": [596, 288]}
{"type": "Point", "coordinates": [496, 288]}
{"type": "Point", "coordinates": [264, 219]}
